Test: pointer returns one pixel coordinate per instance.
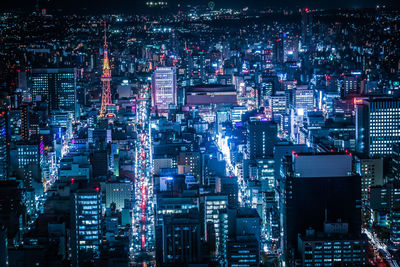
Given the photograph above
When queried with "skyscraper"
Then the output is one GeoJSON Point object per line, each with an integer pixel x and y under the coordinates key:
{"type": "Point", "coordinates": [306, 26]}
{"type": "Point", "coordinates": [261, 138]}
{"type": "Point", "coordinates": [303, 99]}
{"type": "Point", "coordinates": [290, 48]}
{"type": "Point", "coordinates": [86, 229]}
{"type": "Point", "coordinates": [56, 86]}
{"type": "Point", "coordinates": [321, 194]}
{"type": "Point", "coordinates": [164, 91]}
{"type": "Point", "coordinates": [3, 146]}
{"type": "Point", "coordinates": [377, 126]}
{"type": "Point", "coordinates": [178, 239]}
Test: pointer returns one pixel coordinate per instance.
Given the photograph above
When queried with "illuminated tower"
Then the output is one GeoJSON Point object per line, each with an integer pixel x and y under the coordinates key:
{"type": "Point", "coordinates": [106, 79]}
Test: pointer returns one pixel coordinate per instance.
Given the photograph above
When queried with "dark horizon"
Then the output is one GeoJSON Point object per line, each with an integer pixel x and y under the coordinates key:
{"type": "Point", "coordinates": [126, 6]}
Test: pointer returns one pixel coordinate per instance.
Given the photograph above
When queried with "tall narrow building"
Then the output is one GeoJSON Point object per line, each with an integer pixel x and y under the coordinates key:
{"type": "Point", "coordinates": [86, 226]}
{"type": "Point", "coordinates": [4, 155]}
{"type": "Point", "coordinates": [163, 91]}
{"type": "Point", "coordinates": [261, 139]}
{"type": "Point", "coordinates": [306, 26]}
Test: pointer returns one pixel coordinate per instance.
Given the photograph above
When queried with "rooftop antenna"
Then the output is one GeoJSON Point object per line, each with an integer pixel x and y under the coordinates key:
{"type": "Point", "coordinates": [105, 34]}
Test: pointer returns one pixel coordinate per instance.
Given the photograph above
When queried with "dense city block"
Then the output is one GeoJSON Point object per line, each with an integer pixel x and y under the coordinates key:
{"type": "Point", "coordinates": [199, 135]}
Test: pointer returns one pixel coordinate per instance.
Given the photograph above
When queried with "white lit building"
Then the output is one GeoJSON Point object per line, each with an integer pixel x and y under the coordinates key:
{"type": "Point", "coordinates": [377, 126]}
{"type": "Point", "coordinates": [164, 91]}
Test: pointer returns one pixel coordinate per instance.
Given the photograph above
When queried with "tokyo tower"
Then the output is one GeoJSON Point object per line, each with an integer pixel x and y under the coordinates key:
{"type": "Point", "coordinates": [105, 78]}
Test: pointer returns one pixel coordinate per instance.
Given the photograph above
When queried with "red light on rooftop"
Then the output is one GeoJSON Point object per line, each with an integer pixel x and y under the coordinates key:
{"type": "Point", "coordinates": [97, 189]}
{"type": "Point", "coordinates": [331, 150]}
{"type": "Point", "coordinates": [72, 180]}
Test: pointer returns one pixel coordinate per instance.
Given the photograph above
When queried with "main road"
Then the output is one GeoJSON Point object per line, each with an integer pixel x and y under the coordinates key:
{"type": "Point", "coordinates": [142, 246]}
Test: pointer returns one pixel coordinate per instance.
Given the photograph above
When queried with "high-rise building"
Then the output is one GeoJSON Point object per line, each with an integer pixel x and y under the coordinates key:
{"type": "Point", "coordinates": [320, 189]}
{"type": "Point", "coordinates": [164, 90]}
{"type": "Point", "coordinates": [27, 153]}
{"type": "Point", "coordinates": [243, 251]}
{"type": "Point", "coordinates": [278, 51]}
{"type": "Point", "coordinates": [4, 152]}
{"type": "Point", "coordinates": [268, 86]}
{"type": "Point", "coordinates": [350, 85]}
{"type": "Point", "coordinates": [371, 171]}
{"type": "Point", "coordinates": [261, 138]}
{"type": "Point", "coordinates": [303, 99]}
{"type": "Point", "coordinates": [213, 205]}
{"type": "Point", "coordinates": [24, 122]}
{"type": "Point", "coordinates": [278, 105]}
{"type": "Point", "coordinates": [306, 26]}
{"type": "Point", "coordinates": [56, 86]}
{"type": "Point", "coordinates": [178, 239]}
{"type": "Point", "coordinates": [86, 226]}
{"type": "Point", "coordinates": [290, 48]}
{"type": "Point", "coordinates": [377, 126]}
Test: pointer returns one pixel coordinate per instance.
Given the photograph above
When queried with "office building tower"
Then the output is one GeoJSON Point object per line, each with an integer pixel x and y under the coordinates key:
{"type": "Point", "coordinates": [163, 88]}
{"type": "Point", "coordinates": [306, 26]}
{"type": "Point", "coordinates": [86, 226]}
{"type": "Point", "coordinates": [268, 86]}
{"type": "Point", "coordinates": [178, 240]}
{"type": "Point", "coordinates": [212, 207]}
{"type": "Point", "coordinates": [237, 113]}
{"type": "Point", "coordinates": [371, 172]}
{"type": "Point", "coordinates": [384, 198]}
{"type": "Point", "coordinates": [243, 243]}
{"type": "Point", "coordinates": [278, 51]}
{"type": "Point", "coordinates": [195, 71]}
{"type": "Point", "coordinates": [24, 122]}
{"type": "Point", "coordinates": [303, 99]}
{"type": "Point", "coordinates": [192, 160]}
{"type": "Point", "coordinates": [350, 85]}
{"type": "Point", "coordinates": [377, 126]}
{"type": "Point", "coordinates": [320, 193]}
{"type": "Point", "coordinates": [333, 248]}
{"type": "Point", "coordinates": [243, 251]}
{"type": "Point", "coordinates": [261, 138]}
{"type": "Point", "coordinates": [278, 105]}
{"type": "Point", "coordinates": [27, 154]}
{"type": "Point", "coordinates": [263, 170]}
{"type": "Point", "coordinates": [56, 86]}
{"type": "Point", "coordinates": [290, 48]}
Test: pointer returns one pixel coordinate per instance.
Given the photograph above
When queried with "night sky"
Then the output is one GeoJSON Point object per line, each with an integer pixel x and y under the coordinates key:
{"type": "Point", "coordinates": [106, 6]}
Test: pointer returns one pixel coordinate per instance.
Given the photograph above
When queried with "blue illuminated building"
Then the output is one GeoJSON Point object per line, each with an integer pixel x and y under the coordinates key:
{"type": "Point", "coordinates": [86, 234]}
